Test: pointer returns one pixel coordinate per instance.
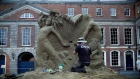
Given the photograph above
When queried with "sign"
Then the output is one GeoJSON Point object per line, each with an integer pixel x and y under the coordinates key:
{"type": "Point", "coordinates": [3, 66]}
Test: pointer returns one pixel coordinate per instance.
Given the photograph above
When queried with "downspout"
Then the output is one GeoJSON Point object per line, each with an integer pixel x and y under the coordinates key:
{"type": "Point", "coordinates": [136, 43]}
{"type": "Point", "coordinates": [135, 34]}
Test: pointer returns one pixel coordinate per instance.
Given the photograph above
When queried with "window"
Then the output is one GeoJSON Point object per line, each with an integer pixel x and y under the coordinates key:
{"type": "Point", "coordinates": [128, 36]}
{"type": "Point", "coordinates": [3, 36]}
{"type": "Point", "coordinates": [26, 36]}
{"type": "Point", "coordinates": [138, 9]}
{"type": "Point", "coordinates": [98, 11]}
{"type": "Point", "coordinates": [138, 34]}
{"type": "Point", "coordinates": [114, 36]}
{"type": "Point", "coordinates": [84, 10]}
{"type": "Point", "coordinates": [102, 30]}
{"type": "Point", "coordinates": [127, 12]}
{"type": "Point", "coordinates": [115, 58]}
{"type": "Point", "coordinates": [112, 12]}
{"type": "Point", "coordinates": [26, 15]}
{"type": "Point", "coordinates": [138, 52]}
{"type": "Point", "coordinates": [71, 11]}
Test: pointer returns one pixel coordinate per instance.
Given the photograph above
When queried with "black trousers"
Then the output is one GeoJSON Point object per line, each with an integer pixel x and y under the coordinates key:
{"type": "Point", "coordinates": [79, 67]}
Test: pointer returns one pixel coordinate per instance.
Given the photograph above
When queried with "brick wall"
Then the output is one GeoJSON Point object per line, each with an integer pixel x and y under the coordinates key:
{"type": "Point", "coordinates": [92, 10]}
{"type": "Point", "coordinates": [6, 6]}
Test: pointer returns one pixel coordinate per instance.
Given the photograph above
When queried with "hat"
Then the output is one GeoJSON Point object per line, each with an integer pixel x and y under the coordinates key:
{"type": "Point", "coordinates": [82, 40]}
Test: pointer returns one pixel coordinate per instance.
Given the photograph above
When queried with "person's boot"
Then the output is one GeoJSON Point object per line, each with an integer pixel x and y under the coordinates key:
{"type": "Point", "coordinates": [73, 69]}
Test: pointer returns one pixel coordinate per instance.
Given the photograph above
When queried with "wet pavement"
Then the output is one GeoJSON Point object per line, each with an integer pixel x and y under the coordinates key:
{"type": "Point", "coordinates": [131, 74]}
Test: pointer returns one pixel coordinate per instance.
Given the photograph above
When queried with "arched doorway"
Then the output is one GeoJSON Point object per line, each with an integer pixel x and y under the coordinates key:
{"type": "Point", "coordinates": [2, 62]}
{"type": "Point", "coordinates": [129, 60]}
{"type": "Point", "coordinates": [25, 62]}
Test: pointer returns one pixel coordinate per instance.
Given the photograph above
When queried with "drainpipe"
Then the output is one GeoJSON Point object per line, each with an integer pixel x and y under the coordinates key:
{"type": "Point", "coordinates": [136, 44]}
{"type": "Point", "coordinates": [135, 35]}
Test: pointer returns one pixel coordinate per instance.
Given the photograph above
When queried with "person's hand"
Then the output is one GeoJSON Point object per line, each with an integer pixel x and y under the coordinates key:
{"type": "Point", "coordinates": [74, 53]}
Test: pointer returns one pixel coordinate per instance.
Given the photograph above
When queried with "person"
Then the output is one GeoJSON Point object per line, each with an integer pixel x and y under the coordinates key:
{"type": "Point", "coordinates": [138, 64]}
{"type": "Point", "coordinates": [83, 51]}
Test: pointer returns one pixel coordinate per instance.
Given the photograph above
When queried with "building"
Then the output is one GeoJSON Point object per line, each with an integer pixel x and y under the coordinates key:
{"type": "Point", "coordinates": [137, 22]}
{"type": "Point", "coordinates": [119, 21]}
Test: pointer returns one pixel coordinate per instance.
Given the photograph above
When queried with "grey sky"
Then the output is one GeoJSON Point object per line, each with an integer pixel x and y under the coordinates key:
{"type": "Point", "coordinates": [86, 0]}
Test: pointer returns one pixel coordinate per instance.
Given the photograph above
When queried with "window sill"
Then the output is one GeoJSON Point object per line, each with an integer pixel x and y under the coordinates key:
{"type": "Point", "coordinates": [114, 66]}
{"type": "Point", "coordinates": [3, 45]}
{"type": "Point", "coordinates": [99, 15]}
{"type": "Point", "coordinates": [113, 16]}
{"type": "Point", "coordinates": [26, 45]}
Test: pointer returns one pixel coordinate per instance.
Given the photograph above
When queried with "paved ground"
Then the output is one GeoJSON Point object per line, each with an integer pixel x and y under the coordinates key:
{"type": "Point", "coordinates": [131, 74]}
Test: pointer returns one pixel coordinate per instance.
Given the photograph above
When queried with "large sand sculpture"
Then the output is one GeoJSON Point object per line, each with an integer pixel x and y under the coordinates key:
{"type": "Point", "coordinates": [58, 36]}
{"type": "Point", "coordinates": [57, 39]}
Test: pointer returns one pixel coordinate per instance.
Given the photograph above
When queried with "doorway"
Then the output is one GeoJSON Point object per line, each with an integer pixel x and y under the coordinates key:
{"type": "Point", "coordinates": [2, 62]}
{"type": "Point", "coordinates": [129, 60]}
{"type": "Point", "coordinates": [25, 62]}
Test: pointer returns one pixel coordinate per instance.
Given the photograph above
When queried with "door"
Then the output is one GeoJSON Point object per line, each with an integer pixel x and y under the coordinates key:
{"type": "Point", "coordinates": [25, 62]}
{"type": "Point", "coordinates": [2, 62]}
{"type": "Point", "coordinates": [129, 60]}
{"type": "Point", "coordinates": [25, 66]}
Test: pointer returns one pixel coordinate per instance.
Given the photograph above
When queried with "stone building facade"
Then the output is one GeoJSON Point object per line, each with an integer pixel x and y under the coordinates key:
{"type": "Point", "coordinates": [119, 21]}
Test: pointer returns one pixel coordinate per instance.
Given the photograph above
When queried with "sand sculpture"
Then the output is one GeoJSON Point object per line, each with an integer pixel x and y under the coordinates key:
{"type": "Point", "coordinates": [58, 36]}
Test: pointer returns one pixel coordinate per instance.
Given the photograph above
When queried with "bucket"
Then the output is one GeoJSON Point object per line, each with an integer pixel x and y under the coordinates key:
{"type": "Point", "coordinates": [61, 67]}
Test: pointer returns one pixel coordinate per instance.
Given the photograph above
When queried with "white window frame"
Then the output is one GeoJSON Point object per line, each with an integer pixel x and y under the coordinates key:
{"type": "Point", "coordinates": [27, 15]}
{"type": "Point", "coordinates": [117, 35]}
{"type": "Point", "coordinates": [119, 62]}
{"type": "Point", "coordinates": [5, 34]}
{"type": "Point", "coordinates": [97, 11]}
{"type": "Point", "coordinates": [104, 55]}
{"type": "Point", "coordinates": [131, 36]}
{"type": "Point", "coordinates": [71, 11]}
{"type": "Point", "coordinates": [112, 12]}
{"type": "Point", "coordinates": [84, 10]}
{"type": "Point", "coordinates": [26, 38]}
{"type": "Point", "coordinates": [126, 11]}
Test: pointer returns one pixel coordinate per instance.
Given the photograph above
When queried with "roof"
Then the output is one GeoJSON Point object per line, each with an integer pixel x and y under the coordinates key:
{"type": "Point", "coordinates": [69, 1]}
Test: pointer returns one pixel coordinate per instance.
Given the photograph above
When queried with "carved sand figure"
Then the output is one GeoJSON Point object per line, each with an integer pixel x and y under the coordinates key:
{"type": "Point", "coordinates": [58, 35]}
{"type": "Point", "coordinates": [47, 25]}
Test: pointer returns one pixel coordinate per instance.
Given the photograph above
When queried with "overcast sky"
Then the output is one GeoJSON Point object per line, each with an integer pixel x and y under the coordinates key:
{"type": "Point", "coordinates": [67, 0]}
{"type": "Point", "coordinates": [86, 0]}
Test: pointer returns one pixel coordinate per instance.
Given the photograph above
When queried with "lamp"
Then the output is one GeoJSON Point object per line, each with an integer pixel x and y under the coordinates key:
{"type": "Point", "coordinates": [13, 55]}
{"type": "Point", "coordinates": [129, 47]}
